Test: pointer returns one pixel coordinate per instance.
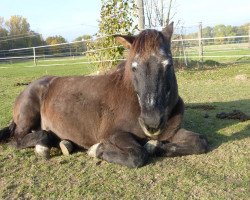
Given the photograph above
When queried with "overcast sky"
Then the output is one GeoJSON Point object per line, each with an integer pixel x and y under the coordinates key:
{"type": "Point", "coordinates": [77, 17]}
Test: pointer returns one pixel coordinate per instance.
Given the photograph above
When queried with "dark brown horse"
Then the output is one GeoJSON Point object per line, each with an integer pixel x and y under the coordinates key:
{"type": "Point", "coordinates": [120, 117]}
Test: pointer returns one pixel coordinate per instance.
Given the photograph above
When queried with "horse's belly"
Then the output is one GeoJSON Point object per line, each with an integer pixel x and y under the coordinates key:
{"type": "Point", "coordinates": [74, 118]}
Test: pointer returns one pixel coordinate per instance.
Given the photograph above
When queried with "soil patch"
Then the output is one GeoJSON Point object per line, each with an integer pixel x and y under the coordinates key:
{"type": "Point", "coordinates": [21, 84]}
{"type": "Point", "coordinates": [236, 114]}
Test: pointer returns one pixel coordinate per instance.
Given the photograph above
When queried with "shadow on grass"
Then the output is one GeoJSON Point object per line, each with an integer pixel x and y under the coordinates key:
{"type": "Point", "coordinates": [195, 64]}
{"type": "Point", "coordinates": [201, 118]}
{"type": "Point", "coordinates": [208, 64]}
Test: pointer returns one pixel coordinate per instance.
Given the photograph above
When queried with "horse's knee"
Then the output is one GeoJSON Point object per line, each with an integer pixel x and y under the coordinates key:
{"type": "Point", "coordinates": [197, 142]}
{"type": "Point", "coordinates": [137, 158]}
{"type": "Point", "coordinates": [130, 157]}
{"type": "Point", "coordinates": [201, 144]}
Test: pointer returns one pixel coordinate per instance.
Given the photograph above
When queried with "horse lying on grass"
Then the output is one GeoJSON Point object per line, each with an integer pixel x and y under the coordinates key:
{"type": "Point", "coordinates": [121, 117]}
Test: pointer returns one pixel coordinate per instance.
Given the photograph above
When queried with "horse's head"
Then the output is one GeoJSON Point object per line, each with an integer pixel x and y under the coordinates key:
{"type": "Point", "coordinates": [150, 68]}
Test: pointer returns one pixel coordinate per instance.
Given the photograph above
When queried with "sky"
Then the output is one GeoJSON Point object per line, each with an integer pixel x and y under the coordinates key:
{"type": "Point", "coordinates": [72, 18]}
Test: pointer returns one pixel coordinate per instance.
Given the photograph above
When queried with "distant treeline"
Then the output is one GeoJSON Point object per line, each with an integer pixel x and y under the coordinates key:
{"type": "Point", "coordinates": [222, 30]}
{"type": "Point", "coordinates": [16, 33]}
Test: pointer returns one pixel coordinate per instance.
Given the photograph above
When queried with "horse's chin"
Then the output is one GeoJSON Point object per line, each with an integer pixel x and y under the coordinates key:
{"type": "Point", "coordinates": [148, 133]}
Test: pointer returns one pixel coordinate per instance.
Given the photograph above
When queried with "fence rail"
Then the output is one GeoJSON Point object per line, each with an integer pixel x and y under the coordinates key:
{"type": "Point", "coordinates": [200, 49]}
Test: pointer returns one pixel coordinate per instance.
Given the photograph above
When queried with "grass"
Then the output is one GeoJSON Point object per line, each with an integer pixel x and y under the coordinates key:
{"type": "Point", "coordinates": [222, 53]}
{"type": "Point", "coordinates": [220, 174]}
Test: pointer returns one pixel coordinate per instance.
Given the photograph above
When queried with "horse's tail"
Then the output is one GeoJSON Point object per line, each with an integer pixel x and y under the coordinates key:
{"type": "Point", "coordinates": [7, 132]}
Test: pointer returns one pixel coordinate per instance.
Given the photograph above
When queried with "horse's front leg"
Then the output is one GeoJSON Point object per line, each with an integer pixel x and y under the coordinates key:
{"type": "Point", "coordinates": [182, 143]}
{"type": "Point", "coordinates": [121, 148]}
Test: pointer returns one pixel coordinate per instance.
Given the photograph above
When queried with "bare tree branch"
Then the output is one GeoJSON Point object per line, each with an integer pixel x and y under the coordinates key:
{"type": "Point", "coordinates": [159, 12]}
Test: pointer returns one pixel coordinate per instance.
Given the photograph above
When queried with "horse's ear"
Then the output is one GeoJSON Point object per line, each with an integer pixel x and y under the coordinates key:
{"type": "Point", "coordinates": [168, 30]}
{"type": "Point", "coordinates": [125, 40]}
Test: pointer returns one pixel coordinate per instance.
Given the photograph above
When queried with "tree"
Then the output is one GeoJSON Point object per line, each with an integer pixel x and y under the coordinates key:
{"type": "Point", "coordinates": [3, 30]}
{"type": "Point", "coordinates": [16, 33]}
{"type": "Point", "coordinates": [56, 50]}
{"type": "Point", "coordinates": [245, 28]}
{"type": "Point", "coordinates": [117, 17]}
{"type": "Point", "coordinates": [81, 47]}
{"type": "Point", "coordinates": [18, 25]}
{"type": "Point", "coordinates": [83, 37]}
{"type": "Point", "coordinates": [19, 30]}
{"type": "Point", "coordinates": [55, 40]}
{"type": "Point", "coordinates": [3, 35]}
{"type": "Point", "coordinates": [157, 14]}
{"type": "Point", "coordinates": [207, 32]}
{"type": "Point", "coordinates": [222, 30]}
{"type": "Point", "coordinates": [242, 30]}
{"type": "Point", "coordinates": [35, 41]}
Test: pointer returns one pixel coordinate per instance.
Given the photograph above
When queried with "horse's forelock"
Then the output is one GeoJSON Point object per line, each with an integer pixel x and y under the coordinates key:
{"type": "Point", "coordinates": [146, 42]}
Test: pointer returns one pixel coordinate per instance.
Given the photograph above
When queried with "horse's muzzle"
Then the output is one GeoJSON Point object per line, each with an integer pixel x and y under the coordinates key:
{"type": "Point", "coordinates": [149, 131]}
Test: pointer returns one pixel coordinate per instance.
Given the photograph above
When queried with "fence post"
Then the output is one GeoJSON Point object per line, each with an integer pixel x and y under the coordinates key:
{"type": "Point", "coordinates": [183, 48]}
{"type": "Point", "coordinates": [200, 45]}
{"type": "Point", "coordinates": [70, 51]}
{"type": "Point", "coordinates": [249, 37]}
{"type": "Point", "coordinates": [34, 55]}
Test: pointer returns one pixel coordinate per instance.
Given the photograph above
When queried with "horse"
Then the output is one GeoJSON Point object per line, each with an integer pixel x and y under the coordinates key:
{"type": "Point", "coordinates": [122, 117]}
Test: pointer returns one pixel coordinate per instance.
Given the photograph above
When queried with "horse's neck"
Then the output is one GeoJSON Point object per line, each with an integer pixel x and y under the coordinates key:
{"type": "Point", "coordinates": [122, 82]}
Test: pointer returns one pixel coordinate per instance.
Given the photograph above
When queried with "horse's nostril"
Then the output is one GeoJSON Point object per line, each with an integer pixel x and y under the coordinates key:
{"type": "Point", "coordinates": [151, 130]}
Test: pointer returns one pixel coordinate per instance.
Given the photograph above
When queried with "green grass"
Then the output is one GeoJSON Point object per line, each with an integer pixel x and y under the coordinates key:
{"type": "Point", "coordinates": [223, 53]}
{"type": "Point", "coordinates": [220, 174]}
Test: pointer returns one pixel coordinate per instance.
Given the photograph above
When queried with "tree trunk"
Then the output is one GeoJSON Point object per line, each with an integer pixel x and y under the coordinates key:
{"type": "Point", "coordinates": [141, 20]}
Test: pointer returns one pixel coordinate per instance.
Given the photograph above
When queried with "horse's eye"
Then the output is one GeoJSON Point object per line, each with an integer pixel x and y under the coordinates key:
{"type": "Point", "coordinates": [166, 63]}
{"type": "Point", "coordinates": [134, 66]}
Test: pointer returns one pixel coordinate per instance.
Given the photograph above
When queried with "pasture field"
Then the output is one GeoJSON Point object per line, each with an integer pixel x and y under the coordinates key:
{"type": "Point", "coordinates": [221, 53]}
{"type": "Point", "coordinates": [222, 173]}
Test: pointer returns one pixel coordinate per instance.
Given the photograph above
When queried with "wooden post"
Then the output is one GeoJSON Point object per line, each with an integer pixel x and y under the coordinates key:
{"type": "Point", "coordinates": [34, 55]}
{"type": "Point", "coordinates": [200, 45]}
{"type": "Point", "coordinates": [183, 48]}
{"type": "Point", "coordinates": [141, 17]}
{"type": "Point", "coordinates": [249, 37]}
{"type": "Point", "coordinates": [70, 51]}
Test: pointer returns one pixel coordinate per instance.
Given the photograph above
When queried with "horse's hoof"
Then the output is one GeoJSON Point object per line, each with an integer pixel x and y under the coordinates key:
{"type": "Point", "coordinates": [42, 151]}
{"type": "Point", "coordinates": [66, 147]}
{"type": "Point", "coordinates": [92, 151]}
{"type": "Point", "coordinates": [150, 146]}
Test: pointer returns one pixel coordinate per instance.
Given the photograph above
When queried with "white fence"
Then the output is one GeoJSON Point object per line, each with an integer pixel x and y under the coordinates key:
{"type": "Point", "coordinates": [186, 50]}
